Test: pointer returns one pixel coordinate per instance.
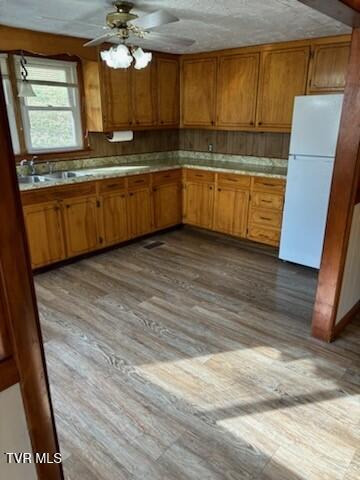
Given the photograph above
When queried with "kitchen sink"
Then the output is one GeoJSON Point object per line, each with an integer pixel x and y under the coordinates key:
{"type": "Point", "coordinates": [31, 179]}
{"type": "Point", "coordinates": [60, 175]}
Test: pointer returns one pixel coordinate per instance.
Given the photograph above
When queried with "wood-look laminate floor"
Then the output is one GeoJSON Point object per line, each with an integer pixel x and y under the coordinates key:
{"type": "Point", "coordinates": [193, 361]}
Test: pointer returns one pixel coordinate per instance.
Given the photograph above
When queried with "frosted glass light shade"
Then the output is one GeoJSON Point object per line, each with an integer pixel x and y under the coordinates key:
{"type": "Point", "coordinates": [142, 59]}
{"type": "Point", "coordinates": [117, 57]}
{"type": "Point", "coordinates": [26, 90]}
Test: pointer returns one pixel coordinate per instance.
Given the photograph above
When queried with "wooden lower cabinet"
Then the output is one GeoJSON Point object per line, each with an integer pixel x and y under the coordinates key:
{"type": "Point", "coordinates": [167, 205]}
{"type": "Point", "coordinates": [81, 225]}
{"type": "Point", "coordinates": [140, 212]}
{"type": "Point", "coordinates": [198, 204]}
{"type": "Point", "coordinates": [231, 211]}
{"type": "Point", "coordinates": [114, 218]}
{"type": "Point", "coordinates": [45, 233]}
{"type": "Point", "coordinates": [266, 210]}
{"type": "Point", "coordinates": [61, 225]}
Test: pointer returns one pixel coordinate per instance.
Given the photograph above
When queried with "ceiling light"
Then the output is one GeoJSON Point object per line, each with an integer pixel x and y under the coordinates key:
{"type": "Point", "coordinates": [117, 57]}
{"type": "Point", "coordinates": [142, 59]}
{"type": "Point", "coordinates": [122, 57]}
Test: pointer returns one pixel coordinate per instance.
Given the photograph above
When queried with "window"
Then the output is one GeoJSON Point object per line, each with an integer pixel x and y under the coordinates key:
{"type": "Point", "coordinates": [51, 120]}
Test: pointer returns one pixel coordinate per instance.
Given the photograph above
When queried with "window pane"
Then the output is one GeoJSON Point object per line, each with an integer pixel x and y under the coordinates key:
{"type": "Point", "coordinates": [48, 70]}
{"type": "Point", "coordinates": [49, 96]}
{"type": "Point", "coordinates": [52, 130]}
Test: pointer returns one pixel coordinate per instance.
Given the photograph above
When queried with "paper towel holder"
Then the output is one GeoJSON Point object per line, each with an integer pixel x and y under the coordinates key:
{"type": "Point", "coordinates": [121, 136]}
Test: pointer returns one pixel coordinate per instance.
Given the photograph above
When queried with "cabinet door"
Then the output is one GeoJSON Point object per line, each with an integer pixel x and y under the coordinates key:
{"type": "Point", "coordinates": [283, 75]}
{"type": "Point", "coordinates": [198, 204]}
{"type": "Point", "coordinates": [168, 91]}
{"type": "Point", "coordinates": [116, 98]}
{"type": "Point", "coordinates": [231, 211]}
{"type": "Point", "coordinates": [44, 233]}
{"type": "Point", "coordinates": [140, 212]}
{"type": "Point", "coordinates": [114, 221]}
{"type": "Point", "coordinates": [167, 205]}
{"type": "Point", "coordinates": [328, 68]}
{"type": "Point", "coordinates": [198, 92]}
{"type": "Point", "coordinates": [143, 94]}
{"type": "Point", "coordinates": [80, 220]}
{"type": "Point", "coordinates": [237, 90]}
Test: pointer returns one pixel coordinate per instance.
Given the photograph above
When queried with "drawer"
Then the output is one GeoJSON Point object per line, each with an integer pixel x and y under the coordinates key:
{"type": "Point", "coordinates": [138, 181]}
{"type": "Point", "coordinates": [264, 235]}
{"type": "Point", "coordinates": [169, 176]}
{"type": "Point", "coordinates": [194, 175]}
{"type": "Point", "coordinates": [267, 200]}
{"type": "Point", "coordinates": [268, 184]}
{"type": "Point", "coordinates": [112, 185]}
{"type": "Point", "coordinates": [58, 193]}
{"type": "Point", "coordinates": [268, 218]}
{"type": "Point", "coordinates": [233, 180]}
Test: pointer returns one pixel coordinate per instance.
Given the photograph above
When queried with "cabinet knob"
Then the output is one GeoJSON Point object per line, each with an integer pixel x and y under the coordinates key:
{"type": "Point", "coordinates": [210, 188]}
{"type": "Point", "coordinates": [219, 189]}
{"type": "Point", "coordinates": [260, 123]}
{"type": "Point", "coordinates": [252, 123]}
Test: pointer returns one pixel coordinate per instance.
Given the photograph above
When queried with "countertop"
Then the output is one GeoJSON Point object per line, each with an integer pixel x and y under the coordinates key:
{"type": "Point", "coordinates": [134, 169]}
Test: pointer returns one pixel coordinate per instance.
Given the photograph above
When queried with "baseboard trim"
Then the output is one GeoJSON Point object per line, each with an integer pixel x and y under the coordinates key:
{"type": "Point", "coordinates": [339, 327]}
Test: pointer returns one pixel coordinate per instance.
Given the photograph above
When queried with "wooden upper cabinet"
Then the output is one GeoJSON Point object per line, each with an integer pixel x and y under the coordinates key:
{"type": "Point", "coordinates": [328, 68]}
{"type": "Point", "coordinates": [44, 233]}
{"type": "Point", "coordinates": [283, 75]}
{"type": "Point", "coordinates": [116, 98]}
{"type": "Point", "coordinates": [143, 96]}
{"type": "Point", "coordinates": [237, 90]}
{"type": "Point", "coordinates": [168, 91]}
{"type": "Point", "coordinates": [199, 92]}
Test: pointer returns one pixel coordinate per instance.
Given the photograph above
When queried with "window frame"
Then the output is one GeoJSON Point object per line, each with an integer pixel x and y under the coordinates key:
{"type": "Point", "coordinates": [22, 118]}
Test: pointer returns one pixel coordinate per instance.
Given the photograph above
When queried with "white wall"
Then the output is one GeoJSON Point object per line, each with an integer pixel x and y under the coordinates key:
{"type": "Point", "coordinates": [350, 289]}
{"type": "Point", "coordinates": [14, 435]}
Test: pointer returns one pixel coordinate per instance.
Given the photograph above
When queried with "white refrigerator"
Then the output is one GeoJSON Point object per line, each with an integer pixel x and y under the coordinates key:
{"type": "Point", "coordinates": [315, 130]}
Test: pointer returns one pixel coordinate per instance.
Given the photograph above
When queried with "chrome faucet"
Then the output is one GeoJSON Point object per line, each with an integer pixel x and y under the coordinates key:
{"type": "Point", "coordinates": [32, 165]}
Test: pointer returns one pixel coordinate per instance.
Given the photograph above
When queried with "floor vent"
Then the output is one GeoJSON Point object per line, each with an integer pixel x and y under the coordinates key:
{"type": "Point", "coordinates": [152, 245]}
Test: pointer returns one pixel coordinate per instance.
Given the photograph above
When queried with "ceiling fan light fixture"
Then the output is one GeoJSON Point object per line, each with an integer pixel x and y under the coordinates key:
{"type": "Point", "coordinates": [142, 59]}
{"type": "Point", "coordinates": [117, 57]}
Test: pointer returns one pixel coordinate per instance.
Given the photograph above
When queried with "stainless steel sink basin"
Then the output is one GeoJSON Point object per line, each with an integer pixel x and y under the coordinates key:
{"type": "Point", "coordinates": [60, 175]}
{"type": "Point", "coordinates": [32, 179]}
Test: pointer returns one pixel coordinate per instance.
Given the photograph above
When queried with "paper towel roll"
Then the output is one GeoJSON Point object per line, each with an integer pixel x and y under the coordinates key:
{"type": "Point", "coordinates": [121, 136]}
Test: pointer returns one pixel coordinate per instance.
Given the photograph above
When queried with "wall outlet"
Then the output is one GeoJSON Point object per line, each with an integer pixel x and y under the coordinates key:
{"type": "Point", "coordinates": [210, 147]}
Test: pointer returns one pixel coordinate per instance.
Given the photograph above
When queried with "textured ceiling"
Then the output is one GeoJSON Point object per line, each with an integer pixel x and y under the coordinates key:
{"type": "Point", "coordinates": [212, 24]}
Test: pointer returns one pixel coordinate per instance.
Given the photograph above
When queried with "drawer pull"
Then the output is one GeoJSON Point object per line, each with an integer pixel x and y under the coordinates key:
{"type": "Point", "coordinates": [199, 175]}
{"type": "Point", "coordinates": [266, 201]}
{"type": "Point", "coordinates": [268, 184]}
{"type": "Point", "coordinates": [265, 218]}
{"type": "Point", "coordinates": [139, 181]}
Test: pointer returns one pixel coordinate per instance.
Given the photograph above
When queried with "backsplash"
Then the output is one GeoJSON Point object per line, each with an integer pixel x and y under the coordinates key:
{"type": "Point", "coordinates": [255, 144]}
{"type": "Point", "coordinates": [146, 141]}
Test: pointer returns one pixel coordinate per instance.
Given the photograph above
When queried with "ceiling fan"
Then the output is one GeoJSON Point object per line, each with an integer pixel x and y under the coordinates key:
{"type": "Point", "coordinates": [124, 26]}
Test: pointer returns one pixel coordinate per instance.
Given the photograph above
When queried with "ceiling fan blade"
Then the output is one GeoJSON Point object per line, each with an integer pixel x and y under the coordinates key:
{"type": "Point", "coordinates": [99, 40]}
{"type": "Point", "coordinates": [176, 41]}
{"type": "Point", "coordinates": [154, 20]}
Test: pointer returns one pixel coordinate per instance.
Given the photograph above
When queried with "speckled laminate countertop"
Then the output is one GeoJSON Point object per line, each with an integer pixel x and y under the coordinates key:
{"type": "Point", "coordinates": [103, 172]}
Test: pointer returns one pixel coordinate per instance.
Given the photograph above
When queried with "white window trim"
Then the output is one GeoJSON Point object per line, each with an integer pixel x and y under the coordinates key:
{"type": "Point", "coordinates": [75, 108]}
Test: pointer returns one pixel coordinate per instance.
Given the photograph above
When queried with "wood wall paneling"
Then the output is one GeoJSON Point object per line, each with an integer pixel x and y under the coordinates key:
{"type": "Point", "coordinates": [259, 144]}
